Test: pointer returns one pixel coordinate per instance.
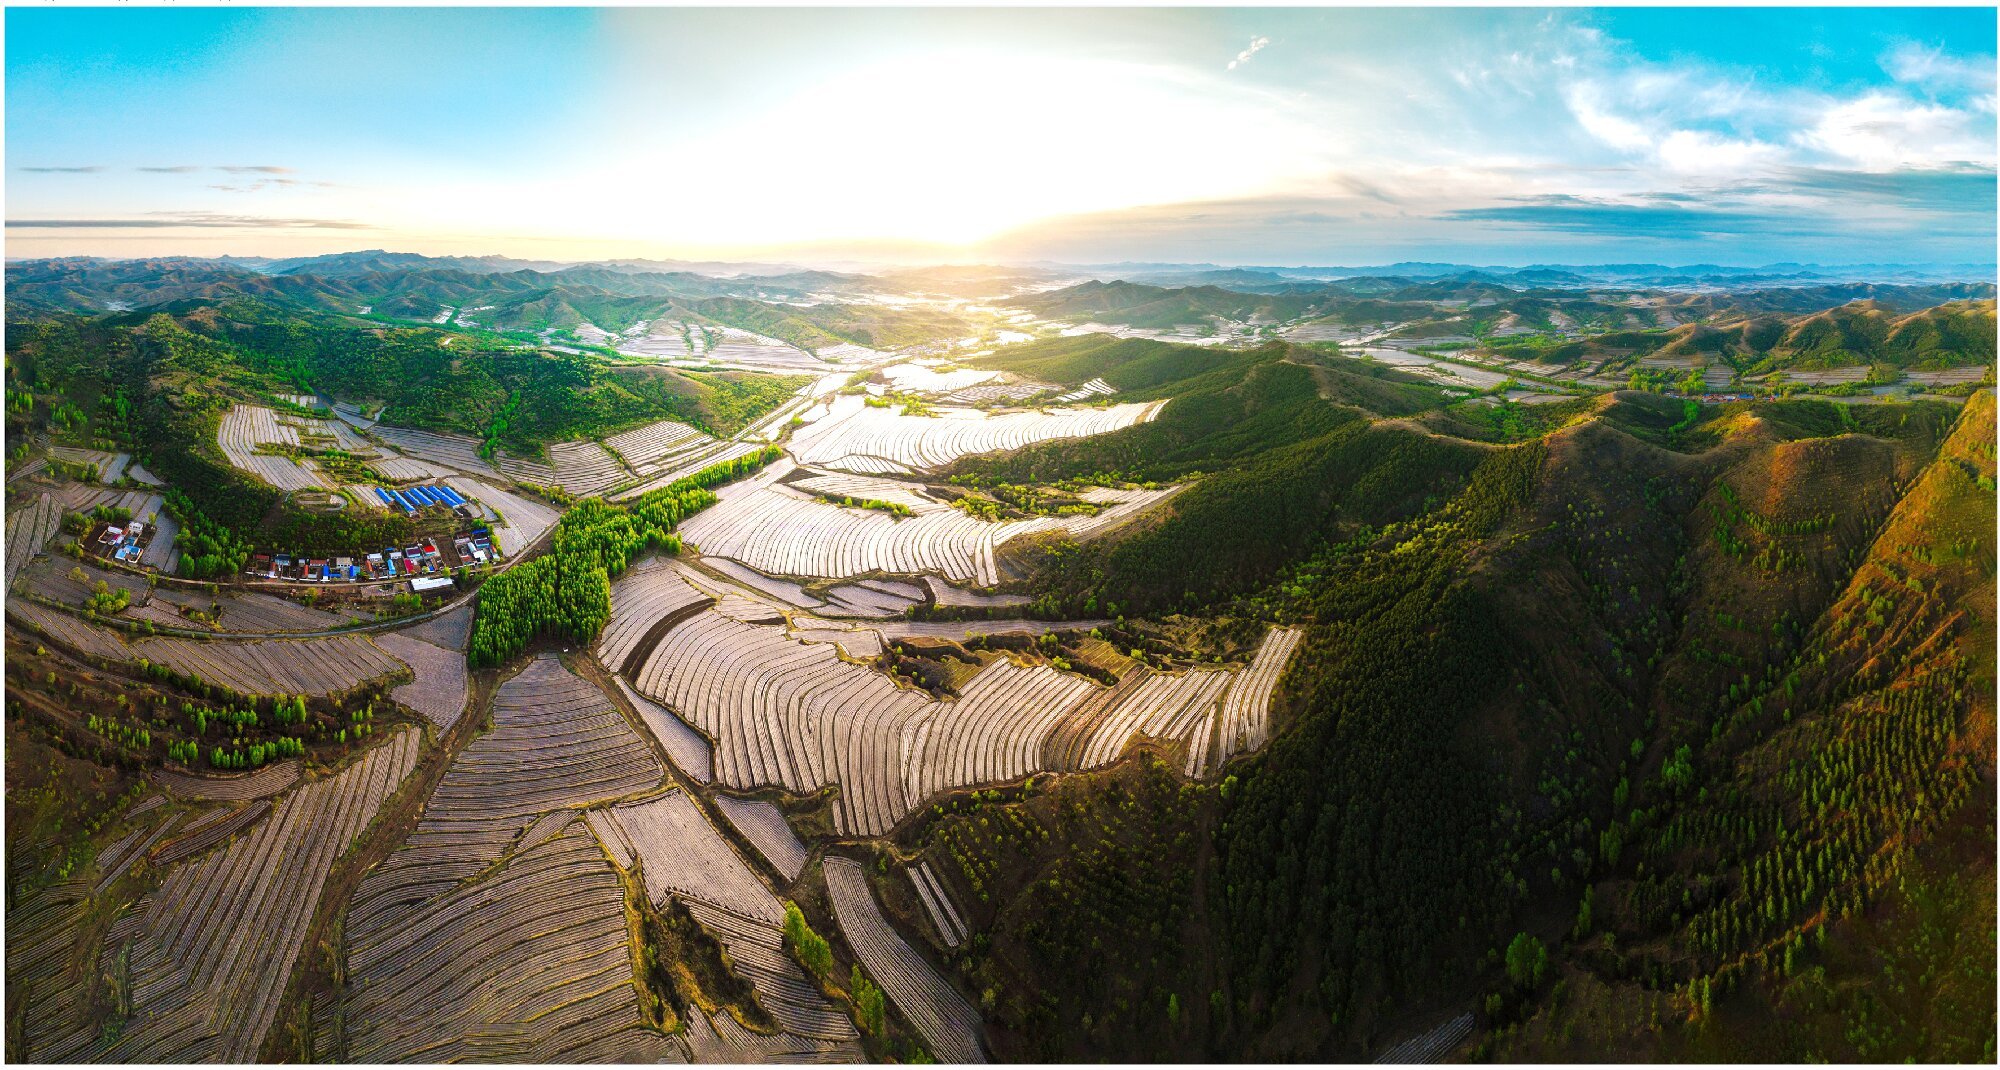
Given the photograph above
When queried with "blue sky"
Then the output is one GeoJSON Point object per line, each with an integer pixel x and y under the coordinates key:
{"type": "Point", "coordinates": [1289, 136]}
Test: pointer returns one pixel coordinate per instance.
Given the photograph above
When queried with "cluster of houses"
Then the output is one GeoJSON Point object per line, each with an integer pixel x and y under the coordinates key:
{"type": "Point", "coordinates": [426, 563]}
{"type": "Point", "coordinates": [122, 542]}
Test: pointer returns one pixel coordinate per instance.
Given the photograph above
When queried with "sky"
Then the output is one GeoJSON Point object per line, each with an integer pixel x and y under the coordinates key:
{"type": "Point", "coordinates": [1228, 136]}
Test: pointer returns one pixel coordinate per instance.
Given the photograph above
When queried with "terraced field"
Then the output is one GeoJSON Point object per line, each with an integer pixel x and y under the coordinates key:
{"type": "Point", "coordinates": [855, 437]}
{"type": "Point", "coordinates": [949, 1025]}
{"type": "Point", "coordinates": [651, 593]}
{"type": "Point", "coordinates": [787, 532]}
{"type": "Point", "coordinates": [245, 427]}
{"type": "Point", "coordinates": [763, 824]}
{"type": "Point", "coordinates": [438, 689]}
{"type": "Point", "coordinates": [448, 959]}
{"type": "Point", "coordinates": [273, 666]}
{"type": "Point", "coordinates": [207, 955]}
{"type": "Point", "coordinates": [1246, 709]}
{"type": "Point", "coordinates": [585, 468]}
{"type": "Point", "coordinates": [28, 530]}
{"type": "Point", "coordinates": [944, 915]}
{"type": "Point", "coordinates": [784, 710]}
{"type": "Point", "coordinates": [681, 854]}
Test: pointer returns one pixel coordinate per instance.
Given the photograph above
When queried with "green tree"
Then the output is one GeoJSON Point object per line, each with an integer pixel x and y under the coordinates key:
{"type": "Point", "coordinates": [1527, 961]}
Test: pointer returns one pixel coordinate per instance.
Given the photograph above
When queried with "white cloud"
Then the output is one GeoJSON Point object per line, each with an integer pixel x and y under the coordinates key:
{"type": "Point", "coordinates": [1586, 103]}
{"type": "Point", "coordinates": [1256, 45]}
{"type": "Point", "coordinates": [1698, 152]}
{"type": "Point", "coordinates": [1881, 131]}
{"type": "Point", "coordinates": [1933, 70]}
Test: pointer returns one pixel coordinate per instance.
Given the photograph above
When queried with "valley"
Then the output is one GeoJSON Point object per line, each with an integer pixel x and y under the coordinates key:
{"type": "Point", "coordinates": [418, 659]}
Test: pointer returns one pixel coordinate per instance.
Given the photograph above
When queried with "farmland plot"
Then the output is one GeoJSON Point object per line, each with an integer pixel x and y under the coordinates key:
{"type": "Point", "coordinates": [649, 595]}
{"type": "Point", "coordinates": [437, 689]}
{"type": "Point", "coordinates": [787, 532]}
{"type": "Point", "coordinates": [110, 466]}
{"type": "Point", "coordinates": [949, 1025]}
{"type": "Point", "coordinates": [680, 853]}
{"type": "Point", "coordinates": [924, 379]}
{"type": "Point", "coordinates": [244, 428]}
{"type": "Point", "coordinates": [685, 463]}
{"type": "Point", "coordinates": [527, 962]}
{"type": "Point", "coordinates": [240, 787]}
{"type": "Point", "coordinates": [944, 915]}
{"type": "Point", "coordinates": [788, 712]}
{"type": "Point", "coordinates": [451, 630]}
{"type": "Point", "coordinates": [72, 631]}
{"type": "Point", "coordinates": [690, 753]}
{"type": "Point", "coordinates": [273, 666]}
{"type": "Point", "coordinates": [857, 438]}
{"type": "Point", "coordinates": [585, 468]}
{"type": "Point", "coordinates": [1160, 707]}
{"type": "Point", "coordinates": [764, 825]}
{"type": "Point", "coordinates": [458, 452]}
{"type": "Point", "coordinates": [208, 954]}
{"type": "Point", "coordinates": [523, 520]}
{"type": "Point", "coordinates": [28, 530]}
{"type": "Point", "coordinates": [1246, 709]}
{"type": "Point", "coordinates": [531, 963]}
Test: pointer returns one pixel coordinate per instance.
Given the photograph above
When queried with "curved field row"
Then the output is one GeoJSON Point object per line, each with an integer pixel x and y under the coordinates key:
{"type": "Point", "coordinates": [1093, 388]}
{"type": "Point", "coordinates": [1430, 1046]}
{"type": "Point", "coordinates": [787, 532]}
{"type": "Point", "coordinates": [863, 488]}
{"type": "Point", "coordinates": [788, 714]}
{"type": "Point", "coordinates": [244, 428]}
{"type": "Point", "coordinates": [920, 379]}
{"type": "Point", "coordinates": [859, 438]}
{"type": "Point", "coordinates": [1246, 709]}
{"type": "Point", "coordinates": [211, 950]}
{"type": "Point", "coordinates": [273, 666]}
{"type": "Point", "coordinates": [679, 853]}
{"type": "Point", "coordinates": [1161, 707]}
{"type": "Point", "coordinates": [720, 1038]}
{"type": "Point", "coordinates": [690, 753]}
{"type": "Point", "coordinates": [764, 825]}
{"type": "Point", "coordinates": [994, 731]}
{"type": "Point", "coordinates": [649, 448]}
{"type": "Point", "coordinates": [28, 530]}
{"type": "Point", "coordinates": [437, 688]}
{"type": "Point", "coordinates": [110, 466]}
{"type": "Point", "coordinates": [449, 630]}
{"type": "Point", "coordinates": [238, 787]}
{"type": "Point", "coordinates": [453, 451]}
{"type": "Point", "coordinates": [645, 594]}
{"type": "Point", "coordinates": [786, 711]}
{"type": "Point", "coordinates": [685, 463]}
{"type": "Point", "coordinates": [671, 841]}
{"type": "Point", "coordinates": [74, 631]}
{"type": "Point", "coordinates": [530, 963]}
{"type": "Point", "coordinates": [60, 579]}
{"type": "Point", "coordinates": [399, 469]}
{"type": "Point", "coordinates": [244, 611]}
{"type": "Point", "coordinates": [556, 743]}
{"type": "Point", "coordinates": [209, 831]}
{"type": "Point", "coordinates": [944, 916]}
{"type": "Point", "coordinates": [950, 1027]}
{"type": "Point", "coordinates": [757, 951]}
{"type": "Point", "coordinates": [585, 468]}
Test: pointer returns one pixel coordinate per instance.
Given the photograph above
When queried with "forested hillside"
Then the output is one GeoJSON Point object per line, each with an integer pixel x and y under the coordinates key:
{"type": "Point", "coordinates": [1627, 738]}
